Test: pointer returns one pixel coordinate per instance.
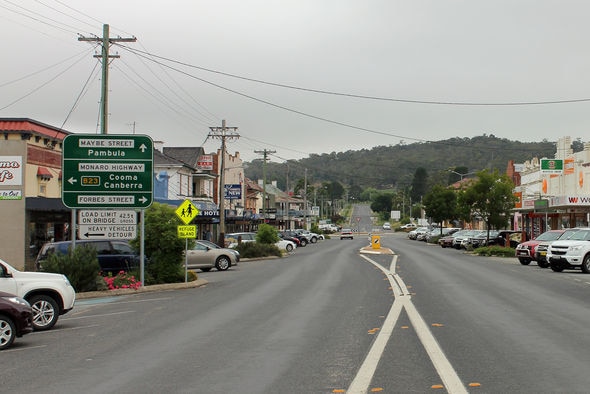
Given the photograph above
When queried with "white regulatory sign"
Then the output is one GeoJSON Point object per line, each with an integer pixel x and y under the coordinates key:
{"type": "Point", "coordinates": [107, 231]}
{"type": "Point", "coordinates": [107, 216]}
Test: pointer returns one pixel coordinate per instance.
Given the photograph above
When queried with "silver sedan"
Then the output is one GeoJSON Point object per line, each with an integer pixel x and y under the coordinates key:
{"type": "Point", "coordinates": [204, 257]}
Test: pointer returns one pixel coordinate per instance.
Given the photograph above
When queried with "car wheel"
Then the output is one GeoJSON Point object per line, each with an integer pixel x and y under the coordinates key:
{"type": "Point", "coordinates": [314, 240]}
{"type": "Point", "coordinates": [303, 242]}
{"type": "Point", "coordinates": [289, 248]}
{"type": "Point", "coordinates": [543, 264]}
{"type": "Point", "coordinates": [7, 332]}
{"type": "Point", "coordinates": [222, 263]}
{"type": "Point", "coordinates": [45, 312]}
{"type": "Point", "coordinates": [557, 267]}
{"type": "Point", "coordinates": [524, 260]}
{"type": "Point", "coordinates": [586, 264]}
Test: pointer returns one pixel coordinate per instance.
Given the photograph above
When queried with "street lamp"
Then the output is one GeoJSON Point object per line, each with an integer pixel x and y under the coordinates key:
{"type": "Point", "coordinates": [462, 175]}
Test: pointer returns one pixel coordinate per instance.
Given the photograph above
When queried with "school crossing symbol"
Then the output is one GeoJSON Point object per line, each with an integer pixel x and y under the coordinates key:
{"type": "Point", "coordinates": [187, 211]}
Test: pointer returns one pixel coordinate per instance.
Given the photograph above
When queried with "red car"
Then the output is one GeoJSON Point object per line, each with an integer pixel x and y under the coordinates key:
{"type": "Point", "coordinates": [16, 318]}
{"type": "Point", "coordinates": [525, 251]}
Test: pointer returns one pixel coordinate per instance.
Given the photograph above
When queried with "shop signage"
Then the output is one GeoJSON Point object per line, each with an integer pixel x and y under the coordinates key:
{"type": "Point", "coordinates": [205, 162]}
{"type": "Point", "coordinates": [233, 192]}
{"type": "Point", "coordinates": [11, 195]}
{"type": "Point", "coordinates": [551, 166]}
{"type": "Point", "coordinates": [11, 170]}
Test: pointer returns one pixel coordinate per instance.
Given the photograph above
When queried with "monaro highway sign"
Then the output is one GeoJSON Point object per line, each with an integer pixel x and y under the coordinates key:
{"type": "Point", "coordinates": [107, 171]}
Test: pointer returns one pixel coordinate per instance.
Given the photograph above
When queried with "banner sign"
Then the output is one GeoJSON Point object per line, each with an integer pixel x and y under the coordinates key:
{"type": "Point", "coordinates": [205, 162]}
{"type": "Point", "coordinates": [11, 170]}
{"type": "Point", "coordinates": [551, 166]}
{"type": "Point", "coordinates": [233, 192]}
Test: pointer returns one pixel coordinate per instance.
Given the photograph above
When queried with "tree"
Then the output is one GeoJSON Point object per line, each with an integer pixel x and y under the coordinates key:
{"type": "Point", "coordinates": [382, 203]}
{"type": "Point", "coordinates": [440, 204]}
{"type": "Point", "coordinates": [490, 197]}
{"type": "Point", "coordinates": [162, 245]}
{"type": "Point", "coordinates": [419, 184]}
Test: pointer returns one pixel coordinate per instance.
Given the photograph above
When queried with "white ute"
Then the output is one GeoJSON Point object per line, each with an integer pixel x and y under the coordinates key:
{"type": "Point", "coordinates": [50, 295]}
{"type": "Point", "coordinates": [571, 253]}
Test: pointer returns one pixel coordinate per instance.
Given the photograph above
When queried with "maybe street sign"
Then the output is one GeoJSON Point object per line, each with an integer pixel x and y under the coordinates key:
{"type": "Point", "coordinates": [107, 171]}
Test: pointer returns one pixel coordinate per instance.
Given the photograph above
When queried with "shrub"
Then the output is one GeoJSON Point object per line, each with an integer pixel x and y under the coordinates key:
{"type": "Point", "coordinates": [256, 249]}
{"type": "Point", "coordinates": [267, 234]}
{"type": "Point", "coordinates": [122, 280]}
{"type": "Point", "coordinates": [79, 265]}
{"type": "Point", "coordinates": [495, 250]}
{"type": "Point", "coordinates": [162, 245]}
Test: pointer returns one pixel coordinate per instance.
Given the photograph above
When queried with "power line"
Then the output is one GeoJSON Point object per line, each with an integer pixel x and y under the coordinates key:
{"type": "Point", "coordinates": [377, 98]}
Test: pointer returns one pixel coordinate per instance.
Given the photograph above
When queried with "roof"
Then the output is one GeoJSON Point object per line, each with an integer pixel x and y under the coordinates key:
{"type": "Point", "coordinates": [21, 125]}
{"type": "Point", "coordinates": [161, 159]}
{"type": "Point", "coordinates": [188, 155]}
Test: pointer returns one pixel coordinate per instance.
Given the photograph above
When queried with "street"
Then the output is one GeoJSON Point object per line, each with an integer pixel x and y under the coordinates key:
{"type": "Point", "coordinates": [326, 320]}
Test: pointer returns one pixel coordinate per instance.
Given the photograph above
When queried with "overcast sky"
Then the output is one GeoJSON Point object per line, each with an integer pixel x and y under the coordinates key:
{"type": "Point", "coordinates": [198, 62]}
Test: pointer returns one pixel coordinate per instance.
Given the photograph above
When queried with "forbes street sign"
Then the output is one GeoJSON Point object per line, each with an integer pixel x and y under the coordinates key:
{"type": "Point", "coordinates": [107, 171]}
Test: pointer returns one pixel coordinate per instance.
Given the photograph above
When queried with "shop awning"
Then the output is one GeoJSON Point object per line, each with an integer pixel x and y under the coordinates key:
{"type": "Point", "coordinates": [44, 172]}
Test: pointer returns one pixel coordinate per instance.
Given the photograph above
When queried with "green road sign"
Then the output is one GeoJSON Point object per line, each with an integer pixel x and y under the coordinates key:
{"type": "Point", "coordinates": [107, 171]}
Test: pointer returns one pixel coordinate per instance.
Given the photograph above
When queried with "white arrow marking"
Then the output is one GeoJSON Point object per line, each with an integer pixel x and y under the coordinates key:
{"type": "Point", "coordinates": [142, 199]}
{"type": "Point", "coordinates": [142, 148]}
{"type": "Point", "coordinates": [72, 180]}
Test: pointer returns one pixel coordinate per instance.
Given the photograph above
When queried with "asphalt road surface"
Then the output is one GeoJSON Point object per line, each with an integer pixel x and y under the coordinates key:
{"type": "Point", "coordinates": [326, 320]}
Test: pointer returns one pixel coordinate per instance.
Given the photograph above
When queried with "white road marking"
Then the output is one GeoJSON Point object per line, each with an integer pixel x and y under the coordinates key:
{"type": "Point", "coordinates": [102, 315]}
{"type": "Point", "coordinates": [445, 370]}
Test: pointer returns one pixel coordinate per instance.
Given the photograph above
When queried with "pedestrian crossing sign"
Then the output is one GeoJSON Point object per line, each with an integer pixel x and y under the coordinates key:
{"type": "Point", "coordinates": [187, 211]}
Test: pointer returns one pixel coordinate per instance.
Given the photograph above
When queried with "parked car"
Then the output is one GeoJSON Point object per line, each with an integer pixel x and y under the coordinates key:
{"type": "Point", "coordinates": [525, 251]}
{"type": "Point", "coordinates": [215, 246]}
{"type": "Point", "coordinates": [386, 226]}
{"type": "Point", "coordinates": [408, 226]}
{"type": "Point", "coordinates": [114, 255]}
{"type": "Point", "coordinates": [447, 240]}
{"type": "Point", "coordinates": [311, 237]}
{"type": "Point", "coordinates": [286, 245]}
{"type": "Point", "coordinates": [420, 230]}
{"type": "Point", "coordinates": [294, 234]}
{"type": "Point", "coordinates": [462, 240]}
{"type": "Point", "coordinates": [423, 235]}
{"type": "Point", "coordinates": [436, 234]}
{"type": "Point", "coordinates": [495, 237]}
{"type": "Point", "coordinates": [204, 257]}
{"type": "Point", "coordinates": [346, 233]}
{"type": "Point", "coordinates": [233, 239]}
{"type": "Point", "coordinates": [16, 318]}
{"type": "Point", "coordinates": [50, 295]}
{"type": "Point", "coordinates": [541, 250]}
{"type": "Point", "coordinates": [571, 253]}
{"type": "Point", "coordinates": [295, 240]}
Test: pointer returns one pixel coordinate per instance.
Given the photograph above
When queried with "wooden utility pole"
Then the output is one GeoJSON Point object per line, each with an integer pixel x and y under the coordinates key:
{"type": "Point", "coordinates": [222, 133]}
{"type": "Point", "coordinates": [264, 154]}
{"type": "Point", "coordinates": [105, 56]}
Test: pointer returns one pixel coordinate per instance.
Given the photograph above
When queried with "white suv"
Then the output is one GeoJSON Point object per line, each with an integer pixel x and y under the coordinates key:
{"type": "Point", "coordinates": [571, 253]}
{"type": "Point", "coordinates": [50, 295]}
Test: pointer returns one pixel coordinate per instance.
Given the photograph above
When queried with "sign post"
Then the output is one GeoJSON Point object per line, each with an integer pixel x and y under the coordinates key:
{"type": "Point", "coordinates": [186, 212]}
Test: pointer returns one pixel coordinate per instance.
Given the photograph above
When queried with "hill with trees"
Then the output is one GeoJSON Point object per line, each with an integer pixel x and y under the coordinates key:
{"type": "Point", "coordinates": [395, 167]}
